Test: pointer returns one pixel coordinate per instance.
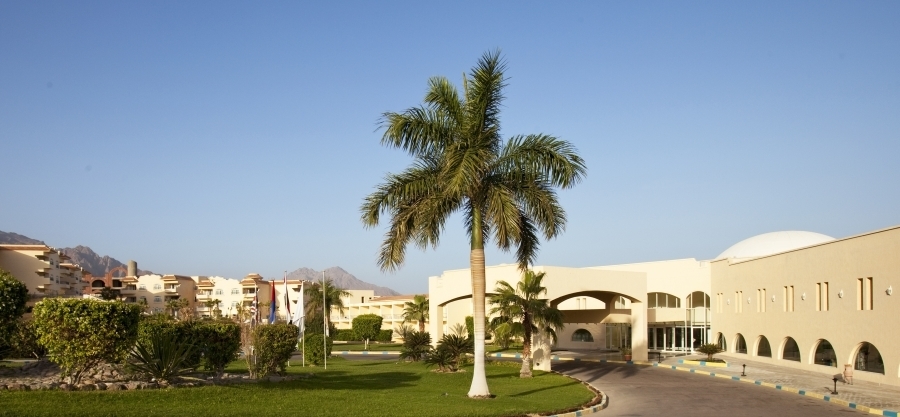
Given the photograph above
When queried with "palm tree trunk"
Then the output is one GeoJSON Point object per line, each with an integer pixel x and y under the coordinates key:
{"type": "Point", "coordinates": [421, 326]}
{"type": "Point", "coordinates": [479, 386]}
{"type": "Point", "coordinates": [525, 372]}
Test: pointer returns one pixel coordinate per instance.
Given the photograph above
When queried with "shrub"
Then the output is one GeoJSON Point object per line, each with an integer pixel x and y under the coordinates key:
{"type": "Point", "coordinates": [273, 345]}
{"type": "Point", "coordinates": [219, 342]}
{"type": "Point", "coordinates": [367, 327]}
{"type": "Point", "coordinates": [457, 347]}
{"type": "Point", "coordinates": [316, 350]}
{"type": "Point", "coordinates": [13, 296]}
{"type": "Point", "coordinates": [162, 356]}
{"type": "Point", "coordinates": [24, 341]}
{"type": "Point", "coordinates": [81, 333]}
{"type": "Point", "coordinates": [416, 346]}
{"type": "Point", "coordinates": [160, 325]}
{"type": "Point", "coordinates": [442, 358]}
{"type": "Point", "coordinates": [402, 330]}
{"type": "Point", "coordinates": [709, 349]}
{"type": "Point", "coordinates": [385, 335]}
{"type": "Point", "coordinates": [315, 325]}
{"type": "Point", "coordinates": [345, 335]}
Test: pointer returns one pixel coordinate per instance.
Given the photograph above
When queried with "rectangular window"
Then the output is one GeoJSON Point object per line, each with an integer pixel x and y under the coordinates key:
{"type": "Point", "coordinates": [818, 296]}
{"type": "Point", "coordinates": [142, 287]}
{"type": "Point", "coordinates": [157, 299]}
{"type": "Point", "coordinates": [758, 295]}
{"type": "Point", "coordinates": [784, 295]}
{"type": "Point", "coordinates": [220, 292]}
{"type": "Point", "coordinates": [157, 286]}
{"type": "Point", "coordinates": [869, 302]}
{"type": "Point", "coordinates": [824, 296]}
{"type": "Point", "coordinates": [791, 298]}
{"type": "Point", "coordinates": [763, 302]}
{"type": "Point", "coordinates": [235, 291]}
{"type": "Point", "coordinates": [740, 302]}
{"type": "Point", "coordinates": [860, 298]}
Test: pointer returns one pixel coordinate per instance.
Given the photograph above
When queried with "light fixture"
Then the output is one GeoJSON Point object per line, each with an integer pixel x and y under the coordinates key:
{"type": "Point", "coordinates": [803, 296]}
{"type": "Point", "coordinates": [889, 290]}
{"type": "Point", "coordinates": [728, 301]}
{"type": "Point", "coordinates": [748, 300]}
{"type": "Point", "coordinates": [841, 294]}
{"type": "Point", "coordinates": [773, 298]}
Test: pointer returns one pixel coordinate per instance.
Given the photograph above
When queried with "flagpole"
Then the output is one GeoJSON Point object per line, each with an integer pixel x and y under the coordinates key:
{"type": "Point", "coordinates": [325, 320]}
{"type": "Point", "coordinates": [302, 326]}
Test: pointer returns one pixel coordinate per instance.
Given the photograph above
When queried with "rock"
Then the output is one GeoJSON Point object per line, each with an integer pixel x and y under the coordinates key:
{"type": "Point", "coordinates": [101, 386]}
{"type": "Point", "coordinates": [115, 387]}
{"type": "Point", "coordinates": [85, 387]}
{"type": "Point", "coordinates": [65, 387]}
{"type": "Point", "coordinates": [133, 385]}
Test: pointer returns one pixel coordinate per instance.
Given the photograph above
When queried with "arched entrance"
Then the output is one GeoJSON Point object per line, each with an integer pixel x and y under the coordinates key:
{"type": "Point", "coordinates": [868, 359]}
{"type": "Point", "coordinates": [824, 354]}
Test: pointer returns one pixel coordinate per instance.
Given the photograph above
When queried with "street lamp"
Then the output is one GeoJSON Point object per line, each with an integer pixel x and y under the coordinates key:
{"type": "Point", "coordinates": [744, 372]}
{"type": "Point", "coordinates": [835, 386]}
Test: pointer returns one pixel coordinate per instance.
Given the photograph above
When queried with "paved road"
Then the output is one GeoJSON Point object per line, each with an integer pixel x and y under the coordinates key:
{"type": "Point", "coordinates": [649, 391]}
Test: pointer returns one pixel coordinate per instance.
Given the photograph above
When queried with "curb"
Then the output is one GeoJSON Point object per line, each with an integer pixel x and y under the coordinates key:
{"type": "Point", "coordinates": [826, 398]}
{"type": "Point", "coordinates": [364, 352]}
{"type": "Point", "coordinates": [704, 363]}
{"type": "Point", "coordinates": [604, 402]}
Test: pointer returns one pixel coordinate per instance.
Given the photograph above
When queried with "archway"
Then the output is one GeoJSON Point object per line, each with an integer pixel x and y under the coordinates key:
{"type": "Point", "coordinates": [97, 283]}
{"type": "Point", "coordinates": [720, 341]}
{"type": "Point", "coordinates": [790, 351]}
{"type": "Point", "coordinates": [868, 359]}
{"type": "Point", "coordinates": [582, 335]}
{"type": "Point", "coordinates": [824, 354]}
{"type": "Point", "coordinates": [763, 348]}
{"type": "Point", "coordinates": [740, 345]}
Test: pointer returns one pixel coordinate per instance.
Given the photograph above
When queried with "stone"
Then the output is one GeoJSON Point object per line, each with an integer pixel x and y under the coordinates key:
{"type": "Point", "coordinates": [101, 386]}
{"type": "Point", "coordinates": [86, 387]}
{"type": "Point", "coordinates": [115, 387]}
{"type": "Point", "coordinates": [65, 387]}
{"type": "Point", "coordinates": [133, 385]}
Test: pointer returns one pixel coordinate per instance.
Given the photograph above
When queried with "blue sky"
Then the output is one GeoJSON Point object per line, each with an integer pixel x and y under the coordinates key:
{"type": "Point", "coordinates": [217, 138]}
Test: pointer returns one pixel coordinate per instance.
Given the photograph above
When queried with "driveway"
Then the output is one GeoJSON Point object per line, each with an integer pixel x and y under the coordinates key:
{"type": "Point", "coordinates": [650, 391]}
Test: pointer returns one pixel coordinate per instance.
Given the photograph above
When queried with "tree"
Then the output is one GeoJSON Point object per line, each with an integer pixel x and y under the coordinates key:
{"type": "Point", "coordinates": [13, 296]}
{"type": "Point", "coordinates": [333, 299]}
{"type": "Point", "coordinates": [367, 326]}
{"type": "Point", "coordinates": [522, 303]}
{"type": "Point", "coordinates": [80, 333]}
{"type": "Point", "coordinates": [416, 310]}
{"type": "Point", "coordinates": [273, 345]}
{"type": "Point", "coordinates": [180, 308]}
{"type": "Point", "coordinates": [213, 307]}
{"type": "Point", "coordinates": [109, 294]}
{"type": "Point", "coordinates": [505, 189]}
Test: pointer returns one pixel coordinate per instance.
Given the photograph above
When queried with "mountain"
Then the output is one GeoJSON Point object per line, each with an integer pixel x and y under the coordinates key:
{"type": "Point", "coordinates": [9, 238]}
{"type": "Point", "coordinates": [341, 278]}
{"type": "Point", "coordinates": [81, 255]}
{"type": "Point", "coordinates": [97, 265]}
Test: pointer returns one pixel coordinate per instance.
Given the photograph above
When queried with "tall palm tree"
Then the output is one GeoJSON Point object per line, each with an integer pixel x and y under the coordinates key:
{"type": "Point", "coordinates": [523, 303]}
{"type": "Point", "coordinates": [416, 310]}
{"type": "Point", "coordinates": [333, 299]}
{"type": "Point", "coordinates": [505, 189]}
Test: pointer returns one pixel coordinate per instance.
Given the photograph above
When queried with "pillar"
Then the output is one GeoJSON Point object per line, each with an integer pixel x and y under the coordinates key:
{"type": "Point", "coordinates": [639, 331]}
{"type": "Point", "coordinates": [435, 323]}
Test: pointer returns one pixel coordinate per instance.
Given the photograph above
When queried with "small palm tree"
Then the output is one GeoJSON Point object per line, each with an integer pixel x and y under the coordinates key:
{"type": "Point", "coordinates": [416, 310]}
{"type": "Point", "coordinates": [504, 188]}
{"type": "Point", "coordinates": [522, 303]}
{"type": "Point", "coordinates": [333, 299]}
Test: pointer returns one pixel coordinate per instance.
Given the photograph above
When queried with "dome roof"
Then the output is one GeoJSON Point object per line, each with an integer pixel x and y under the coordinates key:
{"type": "Point", "coordinates": [771, 243]}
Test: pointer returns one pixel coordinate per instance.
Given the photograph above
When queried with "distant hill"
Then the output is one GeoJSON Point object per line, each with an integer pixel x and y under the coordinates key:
{"type": "Point", "coordinates": [9, 238]}
{"type": "Point", "coordinates": [81, 255]}
{"type": "Point", "coordinates": [341, 279]}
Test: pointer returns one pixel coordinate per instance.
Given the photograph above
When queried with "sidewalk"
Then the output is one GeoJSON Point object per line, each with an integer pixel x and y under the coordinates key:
{"type": "Point", "coordinates": [863, 393]}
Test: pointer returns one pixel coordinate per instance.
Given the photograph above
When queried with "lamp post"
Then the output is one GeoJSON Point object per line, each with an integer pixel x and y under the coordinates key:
{"type": "Point", "coordinates": [835, 386]}
{"type": "Point", "coordinates": [744, 371]}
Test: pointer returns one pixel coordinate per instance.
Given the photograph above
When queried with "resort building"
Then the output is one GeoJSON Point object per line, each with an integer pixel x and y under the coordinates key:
{"type": "Point", "coordinates": [390, 308]}
{"type": "Point", "coordinates": [43, 270]}
{"type": "Point", "coordinates": [798, 299]}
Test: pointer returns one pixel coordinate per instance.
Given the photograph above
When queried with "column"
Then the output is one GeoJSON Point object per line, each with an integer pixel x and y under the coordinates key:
{"type": "Point", "coordinates": [435, 323]}
{"type": "Point", "coordinates": [638, 331]}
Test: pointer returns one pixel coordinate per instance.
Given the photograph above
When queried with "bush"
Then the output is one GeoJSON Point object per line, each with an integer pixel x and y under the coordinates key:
{"type": "Point", "coordinates": [442, 358]}
{"type": "Point", "coordinates": [13, 296]}
{"type": "Point", "coordinates": [367, 327]}
{"type": "Point", "coordinates": [24, 341]}
{"type": "Point", "coordinates": [709, 349]}
{"type": "Point", "coordinates": [81, 333]}
{"type": "Point", "coordinates": [457, 347]}
{"type": "Point", "coordinates": [402, 330]}
{"type": "Point", "coordinates": [162, 356]}
{"type": "Point", "coordinates": [165, 326]}
{"type": "Point", "coordinates": [315, 325]}
{"type": "Point", "coordinates": [416, 346]}
{"type": "Point", "coordinates": [345, 335]}
{"type": "Point", "coordinates": [273, 345]}
{"type": "Point", "coordinates": [315, 349]}
{"type": "Point", "coordinates": [219, 342]}
{"type": "Point", "coordinates": [385, 335]}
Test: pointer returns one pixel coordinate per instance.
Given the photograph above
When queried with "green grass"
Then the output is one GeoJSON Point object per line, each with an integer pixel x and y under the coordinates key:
{"type": "Point", "coordinates": [347, 387]}
{"type": "Point", "coordinates": [359, 346]}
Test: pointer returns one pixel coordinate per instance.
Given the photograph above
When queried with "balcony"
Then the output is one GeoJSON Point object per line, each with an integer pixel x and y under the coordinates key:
{"type": "Point", "coordinates": [43, 271]}
{"type": "Point", "coordinates": [171, 290]}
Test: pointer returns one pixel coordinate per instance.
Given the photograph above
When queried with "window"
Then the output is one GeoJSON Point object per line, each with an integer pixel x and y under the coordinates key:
{"type": "Point", "coordinates": [869, 359]}
{"type": "Point", "coordinates": [821, 296]}
{"type": "Point", "coordinates": [791, 351]}
{"type": "Point", "coordinates": [825, 354]}
{"type": "Point", "coordinates": [763, 348]}
{"type": "Point", "coordinates": [157, 299]}
{"type": "Point", "coordinates": [740, 345]}
{"type": "Point", "coordinates": [864, 291]}
{"type": "Point", "coordinates": [235, 291]}
{"type": "Point", "coordinates": [662, 300]}
{"type": "Point", "coordinates": [220, 292]}
{"type": "Point", "coordinates": [142, 287]}
{"type": "Point", "coordinates": [582, 335]}
{"type": "Point", "coordinates": [787, 304]}
{"type": "Point", "coordinates": [157, 286]}
{"type": "Point", "coordinates": [761, 300]}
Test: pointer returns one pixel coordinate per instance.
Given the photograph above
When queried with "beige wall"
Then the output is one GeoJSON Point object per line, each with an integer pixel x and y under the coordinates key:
{"type": "Point", "coordinates": [42, 269]}
{"type": "Point", "coordinates": [840, 263]}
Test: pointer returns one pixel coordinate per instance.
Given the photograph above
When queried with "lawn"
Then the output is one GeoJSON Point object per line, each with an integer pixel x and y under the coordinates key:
{"type": "Point", "coordinates": [347, 387]}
